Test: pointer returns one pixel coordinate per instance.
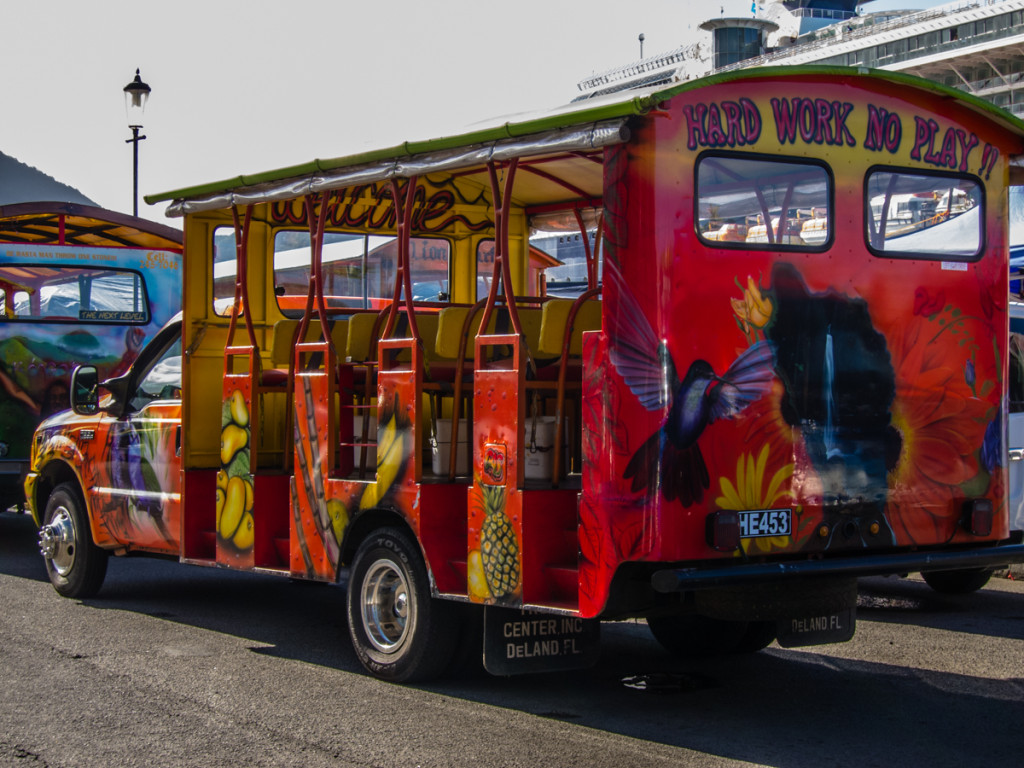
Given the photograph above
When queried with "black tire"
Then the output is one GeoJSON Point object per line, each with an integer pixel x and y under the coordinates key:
{"type": "Point", "coordinates": [75, 565]}
{"type": "Point", "coordinates": [961, 582]}
{"type": "Point", "coordinates": [399, 632]}
{"type": "Point", "coordinates": [759, 635]}
{"type": "Point", "coordinates": [691, 635]}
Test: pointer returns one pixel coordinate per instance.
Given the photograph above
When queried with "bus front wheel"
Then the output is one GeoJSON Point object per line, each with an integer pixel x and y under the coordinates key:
{"type": "Point", "coordinates": [399, 632]}
{"type": "Point", "coordinates": [75, 565]}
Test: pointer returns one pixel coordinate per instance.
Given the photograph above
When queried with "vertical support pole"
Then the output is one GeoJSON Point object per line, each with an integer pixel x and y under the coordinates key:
{"type": "Point", "coordinates": [501, 270]}
{"type": "Point", "coordinates": [403, 279]}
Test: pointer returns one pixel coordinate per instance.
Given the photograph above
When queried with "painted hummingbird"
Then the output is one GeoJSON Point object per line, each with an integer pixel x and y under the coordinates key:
{"type": "Point", "coordinates": [671, 458]}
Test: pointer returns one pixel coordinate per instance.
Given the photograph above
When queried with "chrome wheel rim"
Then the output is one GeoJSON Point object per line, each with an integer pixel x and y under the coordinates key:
{"type": "Point", "coordinates": [386, 609]}
{"type": "Point", "coordinates": [57, 541]}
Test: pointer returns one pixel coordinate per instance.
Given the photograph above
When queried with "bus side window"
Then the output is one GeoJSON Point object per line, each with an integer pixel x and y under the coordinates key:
{"type": "Point", "coordinates": [223, 270]}
{"type": "Point", "coordinates": [358, 269]}
{"type": "Point", "coordinates": [22, 305]}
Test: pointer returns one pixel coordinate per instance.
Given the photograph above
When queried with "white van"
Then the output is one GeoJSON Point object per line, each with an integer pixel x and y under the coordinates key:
{"type": "Point", "coordinates": [1015, 393]}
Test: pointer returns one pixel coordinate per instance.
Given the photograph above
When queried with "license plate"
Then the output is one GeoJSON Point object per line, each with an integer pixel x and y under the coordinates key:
{"type": "Point", "coordinates": [755, 523]}
{"type": "Point", "coordinates": [817, 630]}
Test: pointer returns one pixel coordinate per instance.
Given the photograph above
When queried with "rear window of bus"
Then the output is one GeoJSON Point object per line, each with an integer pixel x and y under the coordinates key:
{"type": "Point", "coordinates": [756, 202]}
{"type": "Point", "coordinates": [911, 214]}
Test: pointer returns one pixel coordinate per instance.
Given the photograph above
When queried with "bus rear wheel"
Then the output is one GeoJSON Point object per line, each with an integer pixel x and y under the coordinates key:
{"type": "Point", "coordinates": [399, 632]}
{"type": "Point", "coordinates": [75, 565]}
{"type": "Point", "coordinates": [960, 582]}
{"type": "Point", "coordinates": [692, 635]}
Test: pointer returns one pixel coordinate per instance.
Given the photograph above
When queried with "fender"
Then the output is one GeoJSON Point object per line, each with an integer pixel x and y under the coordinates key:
{"type": "Point", "coordinates": [54, 448]}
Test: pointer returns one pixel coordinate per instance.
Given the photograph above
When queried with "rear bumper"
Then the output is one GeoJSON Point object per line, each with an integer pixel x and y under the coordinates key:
{"type": "Point", "coordinates": [12, 471]}
{"type": "Point", "coordinates": [669, 580]}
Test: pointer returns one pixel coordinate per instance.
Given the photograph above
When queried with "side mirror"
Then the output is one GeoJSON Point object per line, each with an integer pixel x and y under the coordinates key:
{"type": "Point", "coordinates": [85, 382]}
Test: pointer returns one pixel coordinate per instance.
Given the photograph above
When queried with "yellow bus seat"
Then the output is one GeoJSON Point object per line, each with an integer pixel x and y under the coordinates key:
{"type": "Point", "coordinates": [530, 321]}
{"type": "Point", "coordinates": [451, 330]}
{"type": "Point", "coordinates": [283, 346]}
{"type": "Point", "coordinates": [361, 346]}
{"type": "Point", "coordinates": [450, 322]}
{"type": "Point", "coordinates": [426, 324]}
{"type": "Point", "coordinates": [556, 315]}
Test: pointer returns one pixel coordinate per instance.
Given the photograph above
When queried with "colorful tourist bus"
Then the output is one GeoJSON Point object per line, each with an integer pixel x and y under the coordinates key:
{"type": "Point", "coordinates": [78, 285]}
{"type": "Point", "coordinates": [726, 426]}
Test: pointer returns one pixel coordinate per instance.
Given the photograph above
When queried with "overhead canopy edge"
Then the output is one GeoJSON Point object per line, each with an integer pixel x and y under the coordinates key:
{"type": "Point", "coordinates": [574, 139]}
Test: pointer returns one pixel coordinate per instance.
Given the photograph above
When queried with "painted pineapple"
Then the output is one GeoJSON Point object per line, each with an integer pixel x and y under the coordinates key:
{"type": "Point", "coordinates": [498, 547]}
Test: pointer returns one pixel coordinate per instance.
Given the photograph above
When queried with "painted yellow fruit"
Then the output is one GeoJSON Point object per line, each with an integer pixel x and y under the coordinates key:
{"type": "Point", "coordinates": [386, 440]}
{"type": "Point", "coordinates": [244, 537]}
{"type": "Point", "coordinates": [239, 410]}
{"type": "Point", "coordinates": [232, 439]}
{"type": "Point", "coordinates": [221, 496]}
{"type": "Point", "coordinates": [499, 547]}
{"type": "Point", "coordinates": [234, 523]}
{"type": "Point", "coordinates": [339, 518]}
{"type": "Point", "coordinates": [370, 497]}
{"type": "Point", "coordinates": [389, 461]}
{"type": "Point", "coordinates": [222, 480]}
{"type": "Point", "coordinates": [249, 495]}
{"type": "Point", "coordinates": [232, 509]}
{"type": "Point", "coordinates": [475, 576]}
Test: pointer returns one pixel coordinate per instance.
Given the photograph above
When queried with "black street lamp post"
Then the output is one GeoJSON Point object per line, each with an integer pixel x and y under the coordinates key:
{"type": "Point", "coordinates": [136, 93]}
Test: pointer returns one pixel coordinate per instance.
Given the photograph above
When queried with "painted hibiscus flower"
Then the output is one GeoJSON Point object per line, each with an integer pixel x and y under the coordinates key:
{"type": "Point", "coordinates": [942, 428]}
{"type": "Point", "coordinates": [767, 425]}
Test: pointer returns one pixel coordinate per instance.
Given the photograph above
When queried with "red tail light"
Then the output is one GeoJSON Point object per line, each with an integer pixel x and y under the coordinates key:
{"type": "Point", "coordinates": [978, 517]}
{"type": "Point", "coordinates": [723, 530]}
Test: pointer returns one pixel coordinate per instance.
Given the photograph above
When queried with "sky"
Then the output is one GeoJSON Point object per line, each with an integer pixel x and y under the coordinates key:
{"type": "Point", "coordinates": [254, 85]}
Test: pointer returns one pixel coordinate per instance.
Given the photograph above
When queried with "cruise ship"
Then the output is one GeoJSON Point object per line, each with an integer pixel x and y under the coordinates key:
{"type": "Point", "coordinates": [973, 45]}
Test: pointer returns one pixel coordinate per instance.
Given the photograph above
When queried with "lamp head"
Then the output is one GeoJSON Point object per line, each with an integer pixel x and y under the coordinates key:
{"type": "Point", "coordinates": [136, 94]}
